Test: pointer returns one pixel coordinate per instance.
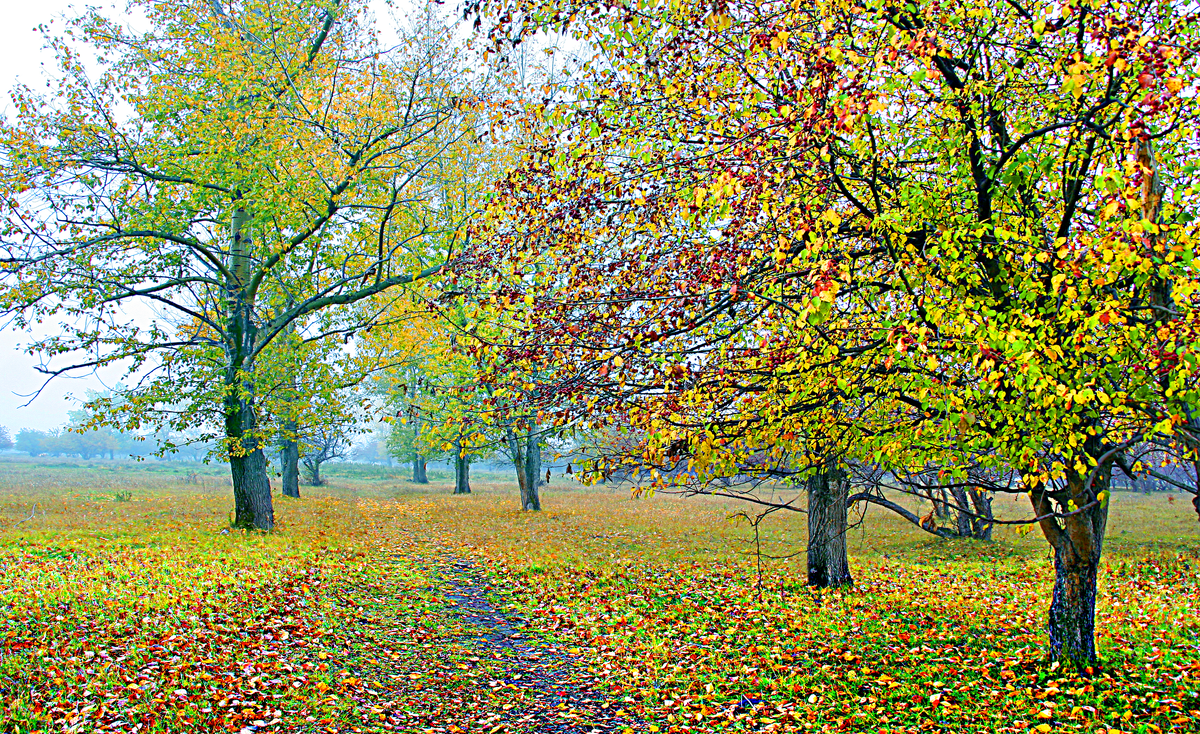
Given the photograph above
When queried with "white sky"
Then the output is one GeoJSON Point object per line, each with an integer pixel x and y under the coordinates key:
{"type": "Point", "coordinates": [21, 58]}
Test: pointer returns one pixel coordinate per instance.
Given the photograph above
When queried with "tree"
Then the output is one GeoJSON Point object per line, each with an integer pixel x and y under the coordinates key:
{"type": "Point", "coordinates": [646, 318]}
{"type": "Point", "coordinates": [929, 236]}
{"type": "Point", "coordinates": [1051, 289]}
{"type": "Point", "coordinates": [405, 442]}
{"type": "Point", "coordinates": [960, 508]}
{"type": "Point", "coordinates": [307, 386]}
{"type": "Point", "coordinates": [31, 441]}
{"type": "Point", "coordinates": [325, 444]}
{"type": "Point", "coordinates": [6, 441]}
{"type": "Point", "coordinates": [430, 385]}
{"type": "Point", "coordinates": [237, 168]}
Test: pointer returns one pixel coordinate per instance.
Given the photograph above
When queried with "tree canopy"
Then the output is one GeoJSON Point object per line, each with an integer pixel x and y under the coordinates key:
{"type": "Point", "coordinates": [766, 235]}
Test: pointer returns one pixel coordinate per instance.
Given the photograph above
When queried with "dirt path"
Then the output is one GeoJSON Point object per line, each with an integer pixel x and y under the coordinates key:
{"type": "Point", "coordinates": [550, 693]}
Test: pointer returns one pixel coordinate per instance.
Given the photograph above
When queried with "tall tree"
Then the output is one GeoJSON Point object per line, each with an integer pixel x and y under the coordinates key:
{"type": "Point", "coordinates": [232, 158]}
{"type": "Point", "coordinates": [951, 222]}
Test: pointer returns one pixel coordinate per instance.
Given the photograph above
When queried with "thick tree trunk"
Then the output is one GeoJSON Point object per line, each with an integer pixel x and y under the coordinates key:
{"type": "Point", "coordinates": [289, 457]}
{"type": "Point", "coordinates": [828, 492]}
{"type": "Point", "coordinates": [462, 470]}
{"type": "Point", "coordinates": [962, 513]}
{"type": "Point", "coordinates": [520, 447]}
{"type": "Point", "coordinates": [248, 466]}
{"type": "Point", "coordinates": [252, 491]}
{"type": "Point", "coordinates": [1077, 541]}
{"type": "Point", "coordinates": [1072, 624]}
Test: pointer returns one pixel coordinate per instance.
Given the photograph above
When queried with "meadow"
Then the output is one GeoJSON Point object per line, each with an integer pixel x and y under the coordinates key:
{"type": "Point", "coordinates": [127, 603]}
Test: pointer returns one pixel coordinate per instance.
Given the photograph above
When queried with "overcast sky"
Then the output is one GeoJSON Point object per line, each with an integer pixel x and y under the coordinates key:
{"type": "Point", "coordinates": [21, 58]}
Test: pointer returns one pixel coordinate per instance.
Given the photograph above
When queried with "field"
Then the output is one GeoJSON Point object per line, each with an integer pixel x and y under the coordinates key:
{"type": "Point", "coordinates": [127, 604]}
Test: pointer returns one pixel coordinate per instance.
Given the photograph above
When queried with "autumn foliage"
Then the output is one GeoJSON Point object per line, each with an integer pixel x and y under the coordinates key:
{"type": "Point", "coordinates": [768, 236]}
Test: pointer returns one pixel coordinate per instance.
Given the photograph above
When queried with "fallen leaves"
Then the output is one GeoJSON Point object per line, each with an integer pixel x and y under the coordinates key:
{"type": "Point", "coordinates": [228, 633]}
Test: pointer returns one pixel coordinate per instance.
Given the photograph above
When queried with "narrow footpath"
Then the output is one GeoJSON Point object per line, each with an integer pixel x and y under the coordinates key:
{"type": "Point", "coordinates": [550, 694]}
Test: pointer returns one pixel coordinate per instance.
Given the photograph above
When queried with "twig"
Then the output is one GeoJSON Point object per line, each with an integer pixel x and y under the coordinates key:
{"type": "Point", "coordinates": [32, 514]}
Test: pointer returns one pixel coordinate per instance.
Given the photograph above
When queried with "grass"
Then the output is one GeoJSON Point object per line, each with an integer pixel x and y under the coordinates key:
{"type": "Point", "coordinates": [151, 612]}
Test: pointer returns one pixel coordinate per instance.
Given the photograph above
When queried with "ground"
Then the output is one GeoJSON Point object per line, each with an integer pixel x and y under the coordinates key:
{"type": "Point", "coordinates": [127, 604]}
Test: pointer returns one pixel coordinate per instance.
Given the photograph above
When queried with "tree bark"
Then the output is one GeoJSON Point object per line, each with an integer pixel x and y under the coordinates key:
{"type": "Point", "coordinates": [984, 515]}
{"type": "Point", "coordinates": [1072, 623]}
{"type": "Point", "coordinates": [1077, 541]}
{"type": "Point", "coordinates": [252, 506]}
{"type": "Point", "coordinates": [520, 448]}
{"type": "Point", "coordinates": [313, 464]}
{"type": "Point", "coordinates": [531, 500]}
{"type": "Point", "coordinates": [462, 470]}
{"type": "Point", "coordinates": [828, 492]}
{"type": "Point", "coordinates": [289, 457]}
{"type": "Point", "coordinates": [248, 467]}
{"type": "Point", "coordinates": [941, 504]}
{"type": "Point", "coordinates": [963, 519]}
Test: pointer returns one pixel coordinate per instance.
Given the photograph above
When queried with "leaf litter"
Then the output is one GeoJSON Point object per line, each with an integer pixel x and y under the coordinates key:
{"type": "Point", "coordinates": [389, 621]}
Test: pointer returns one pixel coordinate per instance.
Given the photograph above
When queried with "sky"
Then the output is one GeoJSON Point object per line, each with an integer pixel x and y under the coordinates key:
{"type": "Point", "coordinates": [21, 56]}
{"type": "Point", "coordinates": [21, 59]}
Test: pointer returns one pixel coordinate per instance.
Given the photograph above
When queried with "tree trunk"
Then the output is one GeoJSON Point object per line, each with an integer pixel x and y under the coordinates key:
{"type": "Point", "coordinates": [252, 506]}
{"type": "Point", "coordinates": [248, 466]}
{"type": "Point", "coordinates": [1072, 623]}
{"type": "Point", "coordinates": [418, 462]}
{"type": "Point", "coordinates": [462, 470]}
{"type": "Point", "coordinates": [289, 457]}
{"type": "Point", "coordinates": [1077, 541]}
{"type": "Point", "coordinates": [962, 513]}
{"type": "Point", "coordinates": [252, 491]}
{"type": "Point", "coordinates": [519, 447]}
{"type": "Point", "coordinates": [984, 516]}
{"type": "Point", "coordinates": [533, 470]}
{"type": "Point", "coordinates": [314, 472]}
{"type": "Point", "coordinates": [828, 492]}
{"type": "Point", "coordinates": [941, 504]}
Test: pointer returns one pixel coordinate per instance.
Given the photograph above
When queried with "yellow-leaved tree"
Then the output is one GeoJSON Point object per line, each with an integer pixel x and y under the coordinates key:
{"type": "Point", "coordinates": [235, 172]}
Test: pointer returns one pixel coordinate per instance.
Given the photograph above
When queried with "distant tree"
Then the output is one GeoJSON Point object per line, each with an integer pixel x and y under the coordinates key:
{"type": "Point", "coordinates": [328, 442]}
{"type": "Point", "coordinates": [6, 441]}
{"type": "Point", "coordinates": [31, 441]}
{"type": "Point", "coordinates": [372, 451]}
